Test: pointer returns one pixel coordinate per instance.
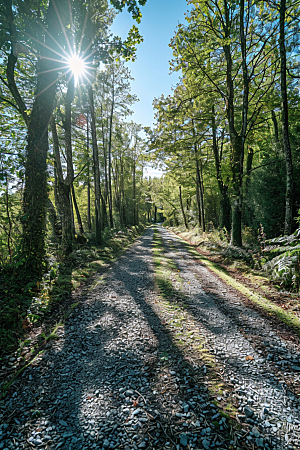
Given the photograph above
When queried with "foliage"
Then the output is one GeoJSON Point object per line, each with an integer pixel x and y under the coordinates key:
{"type": "Point", "coordinates": [283, 256]}
{"type": "Point", "coordinates": [21, 305]}
{"type": "Point", "coordinates": [33, 208]}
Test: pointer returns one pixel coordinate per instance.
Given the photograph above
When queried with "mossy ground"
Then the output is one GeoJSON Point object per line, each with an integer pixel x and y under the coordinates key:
{"type": "Point", "coordinates": [184, 330]}
{"type": "Point", "coordinates": [46, 303]}
{"type": "Point", "coordinates": [258, 289]}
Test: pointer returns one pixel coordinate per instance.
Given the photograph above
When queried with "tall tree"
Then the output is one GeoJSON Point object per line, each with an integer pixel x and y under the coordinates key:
{"type": "Point", "coordinates": [285, 123]}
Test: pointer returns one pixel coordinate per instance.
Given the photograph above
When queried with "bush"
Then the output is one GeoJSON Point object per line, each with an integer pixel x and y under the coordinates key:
{"type": "Point", "coordinates": [284, 268]}
{"type": "Point", "coordinates": [249, 237]}
{"type": "Point", "coordinates": [238, 253]}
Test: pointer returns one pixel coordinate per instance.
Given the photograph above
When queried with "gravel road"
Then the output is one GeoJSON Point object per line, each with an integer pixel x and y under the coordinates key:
{"type": "Point", "coordinates": [117, 377]}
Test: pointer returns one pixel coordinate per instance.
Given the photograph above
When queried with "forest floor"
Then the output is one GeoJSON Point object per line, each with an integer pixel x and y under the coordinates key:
{"type": "Point", "coordinates": [160, 353]}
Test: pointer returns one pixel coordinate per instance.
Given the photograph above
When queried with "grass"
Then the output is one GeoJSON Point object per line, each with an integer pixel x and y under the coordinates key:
{"type": "Point", "coordinates": [5, 387]}
{"type": "Point", "coordinates": [287, 317]}
{"type": "Point", "coordinates": [181, 325]}
{"type": "Point", "coordinates": [42, 339]}
{"type": "Point", "coordinates": [21, 311]}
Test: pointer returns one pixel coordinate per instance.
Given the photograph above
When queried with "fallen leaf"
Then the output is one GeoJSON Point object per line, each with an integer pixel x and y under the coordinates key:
{"type": "Point", "coordinates": [249, 358]}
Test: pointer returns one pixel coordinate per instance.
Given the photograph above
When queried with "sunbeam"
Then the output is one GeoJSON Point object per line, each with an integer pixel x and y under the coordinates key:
{"type": "Point", "coordinates": [77, 66]}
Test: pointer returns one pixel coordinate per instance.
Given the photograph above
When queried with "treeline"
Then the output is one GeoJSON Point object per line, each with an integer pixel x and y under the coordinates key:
{"type": "Point", "coordinates": [71, 162]}
{"type": "Point", "coordinates": [229, 134]}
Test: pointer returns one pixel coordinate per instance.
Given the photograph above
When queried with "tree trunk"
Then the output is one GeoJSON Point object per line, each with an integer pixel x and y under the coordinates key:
{"type": "Point", "coordinates": [63, 196]}
{"type": "Point", "coordinates": [134, 194]}
{"type": "Point", "coordinates": [202, 197]}
{"type": "Point", "coordinates": [182, 209]}
{"type": "Point", "coordinates": [72, 218]}
{"type": "Point", "coordinates": [237, 142]}
{"type": "Point", "coordinates": [52, 219]}
{"type": "Point", "coordinates": [225, 219]}
{"type": "Point", "coordinates": [89, 223]}
{"type": "Point", "coordinates": [199, 192]}
{"type": "Point", "coordinates": [9, 232]}
{"type": "Point", "coordinates": [137, 210]}
{"type": "Point", "coordinates": [105, 194]}
{"type": "Point", "coordinates": [64, 185]}
{"type": "Point", "coordinates": [285, 126]}
{"type": "Point", "coordinates": [109, 161]}
{"type": "Point", "coordinates": [275, 124]}
{"type": "Point", "coordinates": [35, 192]}
{"type": "Point", "coordinates": [249, 167]}
{"type": "Point", "coordinates": [96, 168]}
{"type": "Point", "coordinates": [79, 221]}
{"type": "Point", "coordinates": [198, 181]}
{"type": "Point", "coordinates": [155, 214]}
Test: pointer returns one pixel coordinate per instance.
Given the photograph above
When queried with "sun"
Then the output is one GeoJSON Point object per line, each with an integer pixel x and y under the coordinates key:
{"type": "Point", "coordinates": [77, 66]}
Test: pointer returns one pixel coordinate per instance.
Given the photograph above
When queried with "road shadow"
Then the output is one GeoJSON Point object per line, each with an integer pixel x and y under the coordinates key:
{"type": "Point", "coordinates": [116, 377]}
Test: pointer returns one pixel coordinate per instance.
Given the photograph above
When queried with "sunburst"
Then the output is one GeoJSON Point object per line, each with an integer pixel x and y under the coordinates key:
{"type": "Point", "coordinates": [78, 67]}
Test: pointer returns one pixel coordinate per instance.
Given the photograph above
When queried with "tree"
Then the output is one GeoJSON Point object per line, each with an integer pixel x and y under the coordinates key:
{"type": "Point", "coordinates": [44, 30]}
{"type": "Point", "coordinates": [229, 32]}
{"type": "Point", "coordinates": [285, 123]}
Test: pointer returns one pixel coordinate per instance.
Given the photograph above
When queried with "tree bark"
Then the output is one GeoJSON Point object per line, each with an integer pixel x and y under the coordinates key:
{"type": "Point", "coordinates": [97, 186]}
{"type": "Point", "coordinates": [105, 194]}
{"type": "Point", "coordinates": [63, 196]}
{"type": "Point", "coordinates": [199, 192]}
{"type": "Point", "coordinates": [202, 197]}
{"type": "Point", "coordinates": [285, 125]}
{"type": "Point", "coordinates": [134, 194]}
{"type": "Point", "coordinates": [78, 216]}
{"type": "Point", "coordinates": [275, 124]}
{"type": "Point", "coordinates": [72, 217]}
{"type": "Point", "coordinates": [52, 219]}
{"type": "Point", "coordinates": [89, 223]}
{"type": "Point", "coordinates": [35, 192]}
{"type": "Point", "coordinates": [64, 185]}
{"type": "Point", "coordinates": [249, 167]}
{"type": "Point", "coordinates": [237, 141]}
{"type": "Point", "coordinates": [124, 220]}
{"type": "Point", "coordinates": [225, 219]}
{"type": "Point", "coordinates": [182, 209]}
{"type": "Point", "coordinates": [9, 232]}
{"type": "Point", "coordinates": [109, 160]}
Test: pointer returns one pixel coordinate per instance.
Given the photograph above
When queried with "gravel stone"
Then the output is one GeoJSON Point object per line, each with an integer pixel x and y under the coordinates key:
{"type": "Point", "coordinates": [116, 377]}
{"type": "Point", "coordinates": [183, 440]}
{"type": "Point", "coordinates": [248, 411]}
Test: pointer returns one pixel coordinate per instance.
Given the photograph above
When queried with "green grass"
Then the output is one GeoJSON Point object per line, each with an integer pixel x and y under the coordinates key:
{"type": "Point", "coordinates": [40, 297]}
{"type": "Point", "coordinates": [82, 264]}
{"type": "Point", "coordinates": [174, 300]}
{"type": "Point", "coordinates": [287, 317]}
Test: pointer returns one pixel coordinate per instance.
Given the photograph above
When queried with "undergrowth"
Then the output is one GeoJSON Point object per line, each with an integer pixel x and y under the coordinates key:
{"type": "Point", "coordinates": [287, 317]}
{"type": "Point", "coordinates": [24, 304]}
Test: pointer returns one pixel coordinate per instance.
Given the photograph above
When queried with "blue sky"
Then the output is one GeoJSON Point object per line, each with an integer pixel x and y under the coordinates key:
{"type": "Point", "coordinates": [151, 68]}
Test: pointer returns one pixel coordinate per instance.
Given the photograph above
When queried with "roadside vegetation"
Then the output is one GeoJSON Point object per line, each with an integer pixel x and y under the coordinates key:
{"type": "Point", "coordinates": [23, 339]}
{"type": "Point", "coordinates": [247, 270]}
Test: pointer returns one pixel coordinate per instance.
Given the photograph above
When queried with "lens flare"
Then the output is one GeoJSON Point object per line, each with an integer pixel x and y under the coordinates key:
{"type": "Point", "coordinates": [77, 66]}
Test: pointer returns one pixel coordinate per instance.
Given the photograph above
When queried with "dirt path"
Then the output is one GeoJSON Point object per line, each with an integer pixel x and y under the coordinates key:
{"type": "Point", "coordinates": [135, 369]}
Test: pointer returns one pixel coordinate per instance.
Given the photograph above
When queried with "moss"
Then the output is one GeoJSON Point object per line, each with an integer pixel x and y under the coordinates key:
{"type": "Point", "coordinates": [173, 299]}
{"type": "Point", "coordinates": [288, 317]}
